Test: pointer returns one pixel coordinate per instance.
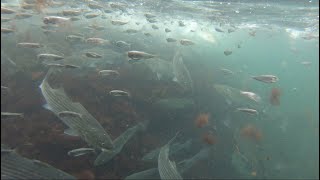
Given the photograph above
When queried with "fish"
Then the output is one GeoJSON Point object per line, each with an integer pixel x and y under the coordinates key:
{"type": "Point", "coordinates": [147, 34]}
{"type": "Point", "coordinates": [306, 63]}
{"type": "Point", "coordinates": [181, 24]}
{"type": "Point", "coordinates": [119, 93]}
{"type": "Point", "coordinates": [7, 30]}
{"type": "Point", "coordinates": [226, 71]}
{"type": "Point", "coordinates": [87, 127]}
{"type": "Point", "coordinates": [4, 19]}
{"type": "Point", "coordinates": [186, 42]}
{"type": "Point", "coordinates": [167, 169]}
{"type": "Point", "coordinates": [29, 45]}
{"type": "Point", "coordinates": [248, 110]}
{"type": "Point", "coordinates": [97, 41]}
{"type": "Point", "coordinates": [11, 114]}
{"type": "Point", "coordinates": [119, 22]}
{"type": "Point", "coordinates": [131, 31]}
{"type": "Point", "coordinates": [251, 95]}
{"type": "Point", "coordinates": [7, 11]}
{"type": "Point", "coordinates": [55, 20]}
{"type": "Point", "coordinates": [119, 142]}
{"type": "Point", "coordinates": [181, 72]}
{"type": "Point", "coordinates": [91, 15]}
{"type": "Point", "coordinates": [122, 44]}
{"type": "Point", "coordinates": [4, 88]}
{"type": "Point", "coordinates": [171, 40]}
{"type": "Point", "coordinates": [14, 166]}
{"type": "Point", "coordinates": [137, 55]}
{"type": "Point", "coordinates": [95, 6]}
{"type": "Point", "coordinates": [266, 78]}
{"type": "Point", "coordinates": [154, 26]}
{"type": "Point", "coordinates": [174, 149]}
{"type": "Point", "coordinates": [80, 152]}
{"type": "Point", "coordinates": [93, 55]}
{"type": "Point", "coordinates": [227, 52]}
{"type": "Point", "coordinates": [167, 30]}
{"type": "Point", "coordinates": [74, 38]}
{"type": "Point", "coordinates": [71, 66]}
{"type": "Point", "coordinates": [71, 12]}
{"type": "Point", "coordinates": [112, 73]}
{"type": "Point", "coordinates": [71, 114]}
{"type": "Point", "coordinates": [218, 30]}
{"type": "Point", "coordinates": [53, 57]}
{"type": "Point", "coordinates": [149, 15]}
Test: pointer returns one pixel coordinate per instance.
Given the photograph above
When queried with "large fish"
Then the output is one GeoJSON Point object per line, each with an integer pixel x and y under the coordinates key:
{"type": "Point", "coordinates": [119, 142]}
{"type": "Point", "coordinates": [14, 166]}
{"type": "Point", "coordinates": [182, 75]}
{"type": "Point", "coordinates": [167, 169]}
{"type": "Point", "coordinates": [85, 125]}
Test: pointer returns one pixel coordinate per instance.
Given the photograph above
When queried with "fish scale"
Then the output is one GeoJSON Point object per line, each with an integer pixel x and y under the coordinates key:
{"type": "Point", "coordinates": [88, 127]}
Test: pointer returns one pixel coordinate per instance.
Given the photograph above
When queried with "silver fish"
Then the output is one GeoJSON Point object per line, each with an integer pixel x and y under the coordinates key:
{"type": "Point", "coordinates": [80, 152]}
{"type": "Point", "coordinates": [186, 42]}
{"type": "Point", "coordinates": [227, 52]}
{"type": "Point", "coordinates": [90, 16]}
{"type": "Point", "coordinates": [55, 20]}
{"type": "Point", "coordinates": [97, 41]}
{"type": "Point", "coordinates": [6, 30]}
{"type": "Point", "coordinates": [112, 73]}
{"type": "Point", "coordinates": [137, 55]}
{"type": "Point", "coordinates": [226, 71]}
{"type": "Point", "coordinates": [118, 22]}
{"type": "Point", "coordinates": [167, 169]}
{"type": "Point", "coordinates": [23, 15]}
{"type": "Point", "coordinates": [71, 12]}
{"type": "Point", "coordinates": [119, 142]}
{"type": "Point", "coordinates": [10, 114]}
{"type": "Point", "coordinates": [251, 95]}
{"type": "Point", "coordinates": [182, 75]}
{"type": "Point", "coordinates": [154, 27]}
{"type": "Point", "coordinates": [87, 127]}
{"type": "Point", "coordinates": [248, 110]}
{"type": "Point", "coordinates": [123, 44]}
{"type": "Point", "coordinates": [171, 40]}
{"type": "Point", "coordinates": [93, 55]}
{"type": "Point", "coordinates": [266, 78]}
{"type": "Point", "coordinates": [7, 11]}
{"type": "Point", "coordinates": [53, 57]}
{"type": "Point", "coordinates": [71, 114]}
{"type": "Point", "coordinates": [74, 38]}
{"type": "Point", "coordinates": [218, 30]}
{"type": "Point", "coordinates": [119, 93]}
{"type": "Point", "coordinates": [29, 45]}
{"type": "Point", "coordinates": [14, 166]}
{"type": "Point", "coordinates": [149, 15]}
{"type": "Point", "coordinates": [167, 30]}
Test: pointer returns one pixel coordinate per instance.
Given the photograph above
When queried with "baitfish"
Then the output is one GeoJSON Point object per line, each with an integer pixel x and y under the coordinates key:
{"type": "Point", "coordinates": [119, 93]}
{"type": "Point", "coordinates": [167, 169]}
{"type": "Point", "coordinates": [87, 127]}
{"type": "Point", "coordinates": [80, 152]}
{"type": "Point", "coordinates": [248, 110]}
{"type": "Point", "coordinates": [266, 78]}
{"type": "Point", "coordinates": [53, 57]}
{"type": "Point", "coordinates": [137, 55]}
{"type": "Point", "coordinates": [14, 166]}
{"type": "Point", "coordinates": [9, 114]}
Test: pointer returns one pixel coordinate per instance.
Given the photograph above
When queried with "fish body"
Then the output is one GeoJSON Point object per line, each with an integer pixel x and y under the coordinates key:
{"type": "Point", "coordinates": [266, 78]}
{"type": "Point", "coordinates": [93, 55]}
{"type": "Point", "coordinates": [251, 95]}
{"type": "Point", "coordinates": [80, 152]}
{"type": "Point", "coordinates": [97, 41]}
{"type": "Point", "coordinates": [7, 11]}
{"type": "Point", "coordinates": [6, 30]}
{"type": "Point", "coordinates": [227, 52]}
{"type": "Point", "coordinates": [218, 30]}
{"type": "Point", "coordinates": [23, 15]}
{"type": "Point", "coordinates": [186, 42]}
{"type": "Point", "coordinates": [248, 110]}
{"type": "Point", "coordinates": [119, 93]}
{"type": "Point", "coordinates": [11, 114]}
{"type": "Point", "coordinates": [53, 57]}
{"type": "Point", "coordinates": [226, 71]}
{"type": "Point", "coordinates": [55, 20]}
{"type": "Point", "coordinates": [71, 12]}
{"type": "Point", "coordinates": [112, 73]}
{"type": "Point", "coordinates": [118, 22]}
{"type": "Point", "coordinates": [66, 114]}
{"type": "Point", "coordinates": [29, 45]}
{"type": "Point", "coordinates": [171, 40]}
{"type": "Point", "coordinates": [167, 30]}
{"type": "Point", "coordinates": [137, 55]}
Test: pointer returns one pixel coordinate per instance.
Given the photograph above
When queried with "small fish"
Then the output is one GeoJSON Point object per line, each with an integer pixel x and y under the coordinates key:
{"type": "Point", "coordinates": [54, 65]}
{"type": "Point", "coordinates": [93, 55]}
{"type": "Point", "coordinates": [118, 22]}
{"type": "Point", "coordinates": [251, 95]}
{"type": "Point", "coordinates": [248, 110]}
{"type": "Point", "coordinates": [149, 15]}
{"type": "Point", "coordinates": [306, 63]}
{"type": "Point", "coordinates": [95, 6]}
{"type": "Point", "coordinates": [154, 26]}
{"type": "Point", "coordinates": [112, 73]}
{"type": "Point", "coordinates": [90, 16]}
{"type": "Point", "coordinates": [123, 44]}
{"type": "Point", "coordinates": [6, 30]}
{"type": "Point", "coordinates": [75, 18]}
{"type": "Point", "coordinates": [218, 30]}
{"type": "Point", "coordinates": [29, 45]}
{"type": "Point", "coordinates": [71, 66]}
{"type": "Point", "coordinates": [186, 42]}
{"type": "Point", "coordinates": [10, 114]}
{"type": "Point", "coordinates": [266, 78]}
{"type": "Point", "coordinates": [55, 20]}
{"type": "Point", "coordinates": [23, 15]}
{"type": "Point", "coordinates": [4, 88]}
{"type": "Point", "coordinates": [119, 93]}
{"type": "Point", "coordinates": [66, 114]}
{"type": "Point", "coordinates": [227, 52]}
{"type": "Point", "coordinates": [137, 55]}
{"type": "Point", "coordinates": [171, 40]}
{"type": "Point", "coordinates": [7, 11]}
{"type": "Point", "coordinates": [152, 20]}
{"type": "Point", "coordinates": [147, 34]}
{"type": "Point", "coordinates": [80, 152]}
{"type": "Point", "coordinates": [226, 71]}
{"type": "Point", "coordinates": [74, 38]}
{"type": "Point", "coordinates": [167, 30]}
{"type": "Point", "coordinates": [71, 12]}
{"type": "Point", "coordinates": [97, 41]}
{"type": "Point", "coordinates": [181, 24]}
{"type": "Point", "coordinates": [96, 27]}
{"type": "Point", "coordinates": [28, 6]}
{"type": "Point", "coordinates": [230, 30]}
{"type": "Point", "coordinates": [3, 19]}
{"type": "Point", "coordinates": [53, 57]}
